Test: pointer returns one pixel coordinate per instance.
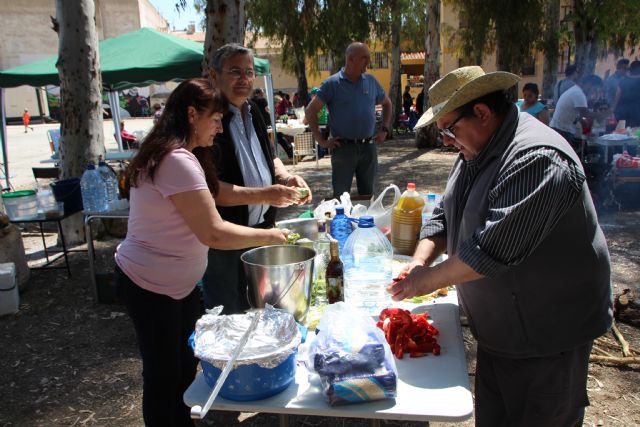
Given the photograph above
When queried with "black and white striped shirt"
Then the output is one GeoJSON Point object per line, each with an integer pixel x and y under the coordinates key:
{"type": "Point", "coordinates": [529, 198]}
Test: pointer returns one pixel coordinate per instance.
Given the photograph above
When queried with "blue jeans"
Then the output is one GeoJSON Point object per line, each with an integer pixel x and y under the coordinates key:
{"type": "Point", "coordinates": [351, 158]}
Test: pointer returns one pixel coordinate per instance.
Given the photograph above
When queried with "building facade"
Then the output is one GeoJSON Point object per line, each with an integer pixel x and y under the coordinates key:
{"type": "Point", "coordinates": [26, 35]}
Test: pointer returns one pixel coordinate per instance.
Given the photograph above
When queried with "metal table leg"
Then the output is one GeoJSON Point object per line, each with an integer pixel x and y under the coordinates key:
{"type": "Point", "coordinates": [284, 420]}
{"type": "Point", "coordinates": [44, 243]}
{"type": "Point", "coordinates": [90, 250]}
{"type": "Point", "coordinates": [64, 248]}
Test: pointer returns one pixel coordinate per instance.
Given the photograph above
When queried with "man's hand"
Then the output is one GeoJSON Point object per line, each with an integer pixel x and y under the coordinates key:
{"type": "Point", "coordinates": [381, 135]}
{"type": "Point", "coordinates": [415, 284]}
{"type": "Point", "coordinates": [281, 196]}
{"type": "Point", "coordinates": [297, 182]}
{"type": "Point", "coordinates": [330, 143]}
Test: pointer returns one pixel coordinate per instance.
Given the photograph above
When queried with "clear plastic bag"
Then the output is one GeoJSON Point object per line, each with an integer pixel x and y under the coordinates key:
{"type": "Point", "coordinates": [381, 214]}
{"type": "Point", "coordinates": [352, 358]}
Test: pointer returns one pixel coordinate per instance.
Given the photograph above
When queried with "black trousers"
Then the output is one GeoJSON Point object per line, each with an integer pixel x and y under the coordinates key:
{"type": "Point", "coordinates": [541, 391]}
{"type": "Point", "coordinates": [224, 282]}
{"type": "Point", "coordinates": [163, 326]}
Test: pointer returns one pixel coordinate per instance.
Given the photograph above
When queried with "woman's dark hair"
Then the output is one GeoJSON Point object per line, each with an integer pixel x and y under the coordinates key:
{"type": "Point", "coordinates": [532, 87]}
{"type": "Point", "coordinates": [497, 101]}
{"type": "Point", "coordinates": [173, 130]}
{"type": "Point", "coordinates": [634, 68]}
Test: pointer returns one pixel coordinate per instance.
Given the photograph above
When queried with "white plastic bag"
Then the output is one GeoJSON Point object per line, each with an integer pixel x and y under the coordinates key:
{"type": "Point", "coordinates": [381, 214]}
{"type": "Point", "coordinates": [330, 206]}
{"type": "Point", "coordinates": [325, 206]}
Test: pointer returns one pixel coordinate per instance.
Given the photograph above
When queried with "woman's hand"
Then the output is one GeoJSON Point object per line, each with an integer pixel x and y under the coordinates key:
{"type": "Point", "coordinates": [277, 236]}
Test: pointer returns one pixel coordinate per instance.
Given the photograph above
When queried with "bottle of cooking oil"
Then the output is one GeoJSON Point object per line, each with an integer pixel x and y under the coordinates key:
{"type": "Point", "coordinates": [406, 221]}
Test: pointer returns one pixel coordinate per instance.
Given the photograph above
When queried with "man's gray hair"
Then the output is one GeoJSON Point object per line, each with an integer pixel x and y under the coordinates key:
{"type": "Point", "coordinates": [228, 51]}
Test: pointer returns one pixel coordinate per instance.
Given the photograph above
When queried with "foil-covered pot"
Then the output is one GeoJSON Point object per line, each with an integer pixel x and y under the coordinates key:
{"type": "Point", "coordinates": [275, 338]}
{"type": "Point", "coordinates": [267, 363]}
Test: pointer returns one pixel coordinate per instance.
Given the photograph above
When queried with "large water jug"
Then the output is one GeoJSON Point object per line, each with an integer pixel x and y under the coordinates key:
{"type": "Point", "coordinates": [406, 221]}
{"type": "Point", "coordinates": [111, 181]}
{"type": "Point", "coordinates": [341, 227]}
{"type": "Point", "coordinates": [94, 190]}
{"type": "Point", "coordinates": [367, 259]}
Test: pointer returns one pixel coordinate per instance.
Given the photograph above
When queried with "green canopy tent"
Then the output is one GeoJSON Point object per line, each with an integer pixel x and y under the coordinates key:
{"type": "Point", "coordinates": [130, 60]}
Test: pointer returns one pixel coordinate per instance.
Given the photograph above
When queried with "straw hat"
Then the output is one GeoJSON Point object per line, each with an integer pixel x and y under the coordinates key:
{"type": "Point", "coordinates": [461, 86]}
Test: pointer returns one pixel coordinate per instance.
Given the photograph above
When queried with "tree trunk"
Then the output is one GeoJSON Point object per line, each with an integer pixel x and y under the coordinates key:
{"type": "Point", "coordinates": [586, 40]}
{"type": "Point", "coordinates": [394, 86]}
{"type": "Point", "coordinates": [82, 138]}
{"type": "Point", "coordinates": [551, 47]}
{"type": "Point", "coordinates": [428, 137]}
{"type": "Point", "coordinates": [301, 73]}
{"type": "Point", "coordinates": [338, 60]}
{"type": "Point", "coordinates": [225, 24]}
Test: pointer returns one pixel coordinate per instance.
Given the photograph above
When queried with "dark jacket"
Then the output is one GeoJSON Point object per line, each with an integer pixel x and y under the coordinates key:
{"type": "Point", "coordinates": [229, 171]}
{"type": "Point", "coordinates": [557, 298]}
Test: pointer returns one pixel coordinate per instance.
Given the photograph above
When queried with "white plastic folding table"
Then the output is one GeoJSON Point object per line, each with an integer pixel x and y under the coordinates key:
{"type": "Point", "coordinates": [431, 388]}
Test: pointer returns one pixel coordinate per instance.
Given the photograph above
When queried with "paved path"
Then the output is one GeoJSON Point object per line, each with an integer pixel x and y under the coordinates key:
{"type": "Point", "coordinates": [26, 150]}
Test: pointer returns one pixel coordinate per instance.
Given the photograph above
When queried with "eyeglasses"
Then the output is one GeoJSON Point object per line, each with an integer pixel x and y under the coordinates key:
{"type": "Point", "coordinates": [237, 73]}
{"type": "Point", "coordinates": [448, 131]}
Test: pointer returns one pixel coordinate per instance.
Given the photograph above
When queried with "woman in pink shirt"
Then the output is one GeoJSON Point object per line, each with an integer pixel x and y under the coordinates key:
{"type": "Point", "coordinates": [173, 222]}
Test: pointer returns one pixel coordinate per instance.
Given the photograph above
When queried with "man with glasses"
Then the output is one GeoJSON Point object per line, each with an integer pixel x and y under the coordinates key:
{"type": "Point", "coordinates": [351, 96]}
{"type": "Point", "coordinates": [525, 249]}
{"type": "Point", "coordinates": [253, 180]}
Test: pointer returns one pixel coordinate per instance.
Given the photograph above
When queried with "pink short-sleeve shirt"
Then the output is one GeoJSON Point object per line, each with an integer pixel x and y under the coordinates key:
{"type": "Point", "coordinates": [160, 253]}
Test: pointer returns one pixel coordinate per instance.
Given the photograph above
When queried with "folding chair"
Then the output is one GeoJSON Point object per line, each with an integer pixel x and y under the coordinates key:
{"type": "Point", "coordinates": [48, 173]}
{"type": "Point", "coordinates": [53, 135]}
{"type": "Point", "coordinates": [304, 145]}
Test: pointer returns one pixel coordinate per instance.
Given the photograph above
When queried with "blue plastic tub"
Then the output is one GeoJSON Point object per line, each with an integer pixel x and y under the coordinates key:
{"type": "Point", "coordinates": [251, 382]}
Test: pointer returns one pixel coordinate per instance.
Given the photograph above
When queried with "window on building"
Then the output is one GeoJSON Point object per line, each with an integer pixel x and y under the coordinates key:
{"type": "Point", "coordinates": [324, 63]}
{"type": "Point", "coordinates": [529, 66]}
{"type": "Point", "coordinates": [379, 60]}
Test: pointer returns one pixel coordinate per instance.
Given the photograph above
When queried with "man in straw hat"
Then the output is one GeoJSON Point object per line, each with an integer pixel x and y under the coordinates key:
{"type": "Point", "coordinates": [525, 248]}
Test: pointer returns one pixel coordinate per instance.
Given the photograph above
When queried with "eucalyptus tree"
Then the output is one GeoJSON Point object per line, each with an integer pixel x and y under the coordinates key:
{"type": "Point", "coordinates": [294, 25]}
{"type": "Point", "coordinates": [550, 46]}
{"type": "Point", "coordinates": [341, 22]}
{"type": "Point", "coordinates": [225, 23]}
{"type": "Point", "coordinates": [399, 24]}
{"type": "Point", "coordinates": [427, 137]}
{"type": "Point", "coordinates": [599, 27]}
{"type": "Point", "coordinates": [512, 27]}
{"type": "Point", "coordinates": [82, 135]}
{"type": "Point", "coordinates": [387, 28]}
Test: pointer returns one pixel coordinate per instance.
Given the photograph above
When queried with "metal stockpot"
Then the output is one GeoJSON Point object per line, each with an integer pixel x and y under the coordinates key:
{"type": "Point", "coordinates": [281, 276]}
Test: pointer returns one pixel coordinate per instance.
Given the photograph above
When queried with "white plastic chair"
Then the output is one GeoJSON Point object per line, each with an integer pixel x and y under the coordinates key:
{"type": "Point", "coordinates": [304, 145]}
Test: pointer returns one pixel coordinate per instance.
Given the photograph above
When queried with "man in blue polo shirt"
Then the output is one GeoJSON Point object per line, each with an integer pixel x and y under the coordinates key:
{"type": "Point", "coordinates": [351, 96]}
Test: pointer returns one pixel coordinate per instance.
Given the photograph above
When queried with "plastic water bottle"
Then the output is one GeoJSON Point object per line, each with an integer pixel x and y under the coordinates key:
{"type": "Point", "coordinates": [341, 227]}
{"type": "Point", "coordinates": [406, 221]}
{"type": "Point", "coordinates": [429, 206]}
{"type": "Point", "coordinates": [111, 181]}
{"type": "Point", "coordinates": [367, 259]}
{"type": "Point", "coordinates": [94, 190]}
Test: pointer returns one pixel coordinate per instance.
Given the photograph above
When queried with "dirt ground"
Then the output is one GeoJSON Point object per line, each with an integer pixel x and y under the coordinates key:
{"type": "Point", "coordinates": [67, 361]}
